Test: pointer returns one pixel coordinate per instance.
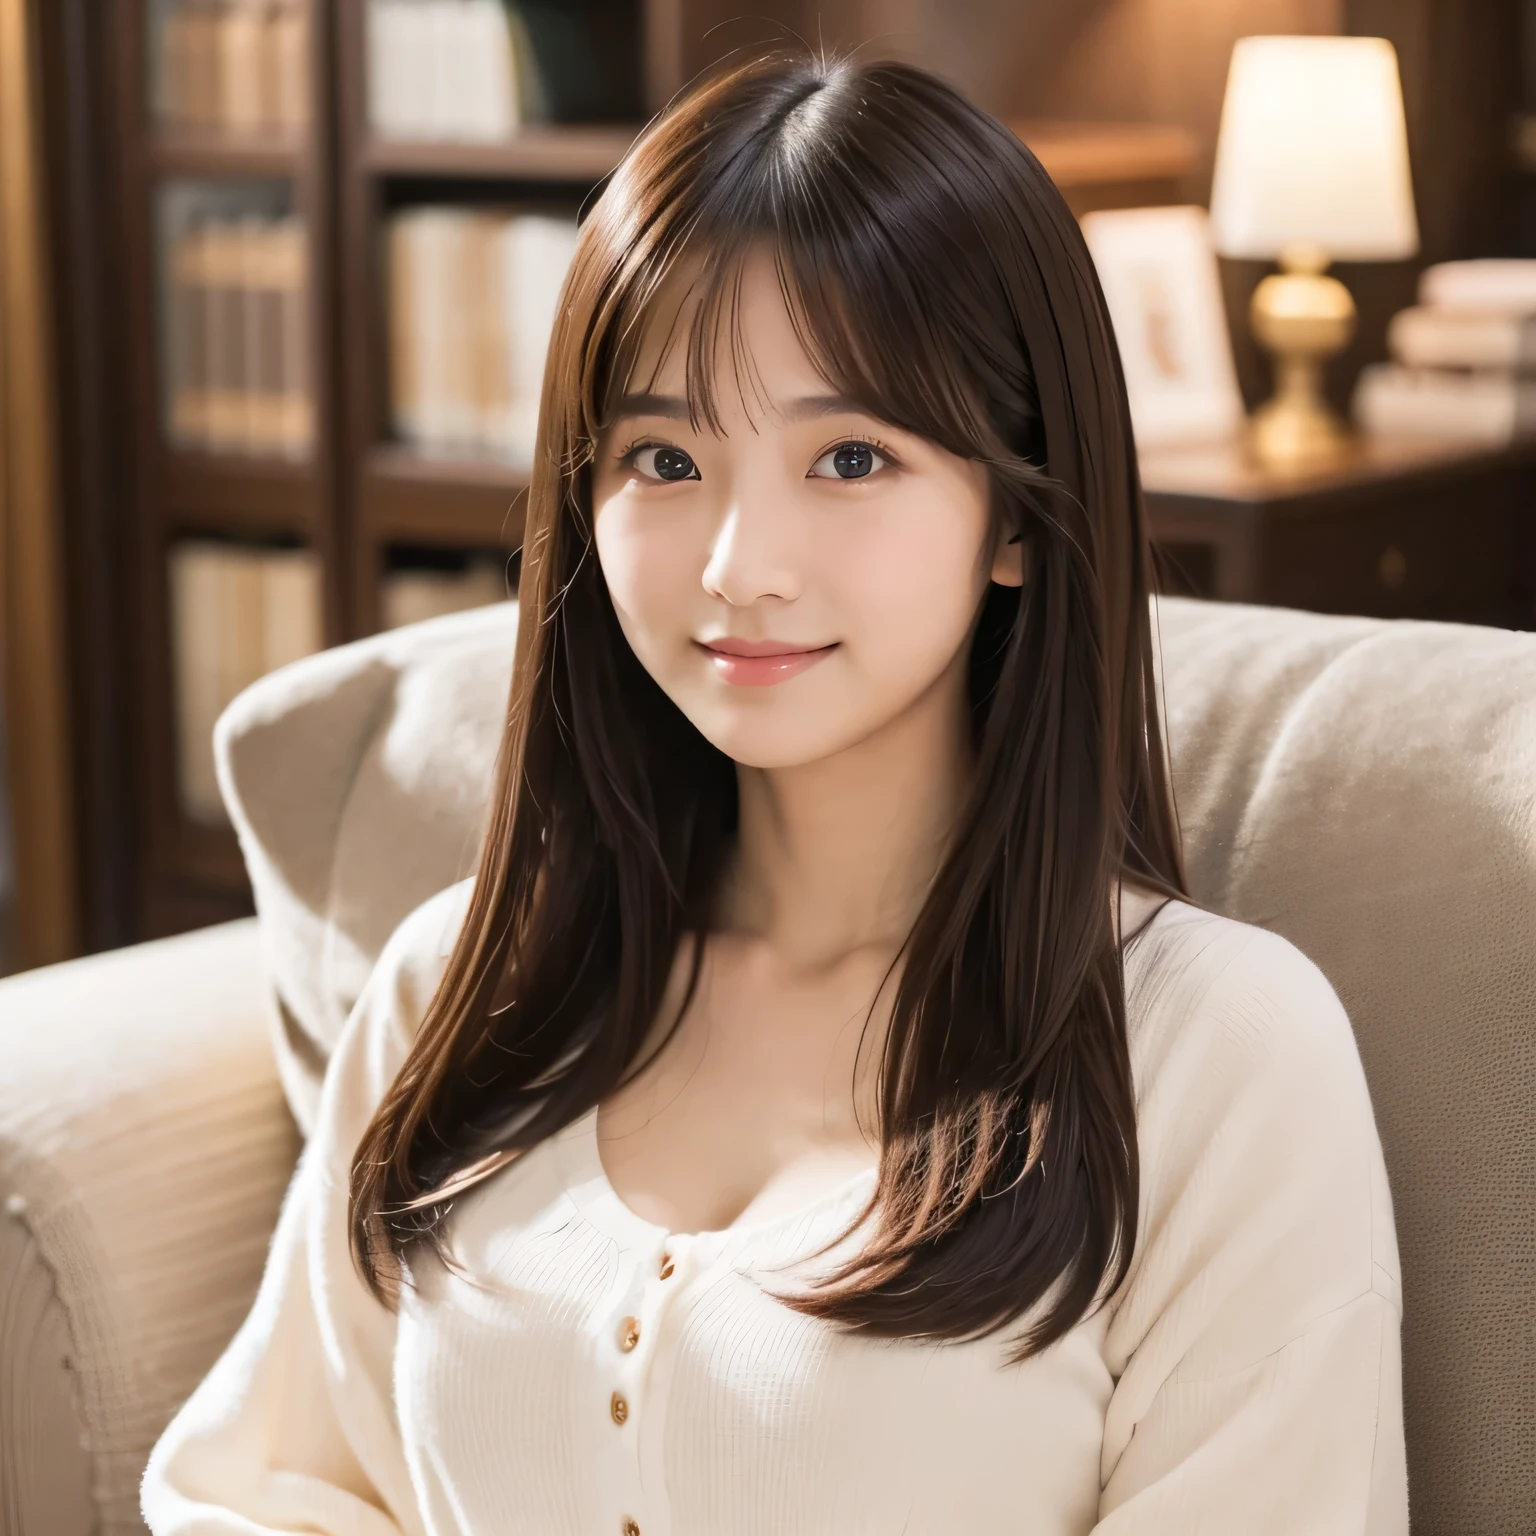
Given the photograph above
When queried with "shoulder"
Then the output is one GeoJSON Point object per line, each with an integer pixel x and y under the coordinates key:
{"type": "Point", "coordinates": [1263, 1197]}
{"type": "Point", "coordinates": [1211, 998]}
{"type": "Point", "coordinates": [394, 1000]}
{"type": "Point", "coordinates": [416, 954]}
{"type": "Point", "coordinates": [1254, 1120]}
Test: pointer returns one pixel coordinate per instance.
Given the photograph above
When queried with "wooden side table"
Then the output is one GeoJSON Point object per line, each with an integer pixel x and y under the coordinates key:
{"type": "Point", "coordinates": [1400, 528]}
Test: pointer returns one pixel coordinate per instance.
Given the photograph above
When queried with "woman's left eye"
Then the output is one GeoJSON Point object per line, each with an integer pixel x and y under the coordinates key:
{"type": "Point", "coordinates": [852, 460]}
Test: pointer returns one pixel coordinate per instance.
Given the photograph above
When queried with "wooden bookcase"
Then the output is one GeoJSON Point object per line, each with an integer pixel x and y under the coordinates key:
{"type": "Point", "coordinates": [192, 874]}
{"type": "Point", "coordinates": [360, 500]}
{"type": "Point", "coordinates": [396, 496]}
{"type": "Point", "coordinates": [358, 496]}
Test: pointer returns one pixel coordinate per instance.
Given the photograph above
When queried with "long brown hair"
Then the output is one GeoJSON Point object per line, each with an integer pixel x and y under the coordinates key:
{"type": "Point", "coordinates": [937, 277]}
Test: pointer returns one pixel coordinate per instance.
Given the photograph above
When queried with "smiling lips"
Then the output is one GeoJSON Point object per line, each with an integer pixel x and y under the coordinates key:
{"type": "Point", "coordinates": [761, 663]}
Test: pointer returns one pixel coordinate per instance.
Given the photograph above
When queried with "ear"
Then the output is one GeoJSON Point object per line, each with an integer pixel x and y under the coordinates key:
{"type": "Point", "coordinates": [1010, 563]}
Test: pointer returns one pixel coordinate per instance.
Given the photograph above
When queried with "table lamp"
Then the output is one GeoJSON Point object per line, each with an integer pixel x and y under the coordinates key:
{"type": "Point", "coordinates": [1311, 167]}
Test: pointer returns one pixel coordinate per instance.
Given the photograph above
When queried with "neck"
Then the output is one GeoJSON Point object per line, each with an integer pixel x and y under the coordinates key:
{"type": "Point", "coordinates": [838, 854]}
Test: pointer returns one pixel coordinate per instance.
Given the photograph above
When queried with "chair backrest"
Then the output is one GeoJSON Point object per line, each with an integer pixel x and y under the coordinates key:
{"type": "Point", "coordinates": [1365, 787]}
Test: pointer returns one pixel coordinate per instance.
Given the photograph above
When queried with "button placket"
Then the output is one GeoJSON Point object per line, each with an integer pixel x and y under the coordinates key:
{"type": "Point", "coordinates": [657, 1277]}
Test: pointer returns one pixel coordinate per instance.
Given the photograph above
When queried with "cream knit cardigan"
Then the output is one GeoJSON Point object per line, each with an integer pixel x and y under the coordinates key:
{"type": "Point", "coordinates": [603, 1375]}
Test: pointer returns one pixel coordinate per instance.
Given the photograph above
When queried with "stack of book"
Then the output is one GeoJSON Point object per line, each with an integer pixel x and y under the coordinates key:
{"type": "Point", "coordinates": [235, 67]}
{"type": "Point", "coordinates": [411, 595]}
{"type": "Point", "coordinates": [237, 375]}
{"type": "Point", "coordinates": [237, 611]}
{"type": "Point", "coordinates": [472, 301]}
{"type": "Point", "coordinates": [445, 69]}
{"type": "Point", "coordinates": [1463, 358]}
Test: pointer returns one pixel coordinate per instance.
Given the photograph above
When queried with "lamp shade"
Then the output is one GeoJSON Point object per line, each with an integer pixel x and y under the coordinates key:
{"type": "Point", "coordinates": [1313, 149]}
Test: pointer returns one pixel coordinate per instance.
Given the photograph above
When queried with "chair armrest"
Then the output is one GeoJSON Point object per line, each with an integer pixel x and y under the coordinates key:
{"type": "Point", "coordinates": [145, 1145]}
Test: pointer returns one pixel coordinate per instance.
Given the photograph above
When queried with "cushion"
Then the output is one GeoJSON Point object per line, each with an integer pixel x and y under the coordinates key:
{"type": "Point", "coordinates": [1361, 786]}
{"type": "Point", "coordinates": [356, 780]}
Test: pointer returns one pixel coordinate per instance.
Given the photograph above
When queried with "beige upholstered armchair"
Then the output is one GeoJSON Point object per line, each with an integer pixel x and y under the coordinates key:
{"type": "Point", "coordinates": [1366, 788]}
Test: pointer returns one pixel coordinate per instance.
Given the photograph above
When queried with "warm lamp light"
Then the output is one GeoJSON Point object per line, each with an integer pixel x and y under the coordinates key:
{"type": "Point", "coordinates": [1311, 166]}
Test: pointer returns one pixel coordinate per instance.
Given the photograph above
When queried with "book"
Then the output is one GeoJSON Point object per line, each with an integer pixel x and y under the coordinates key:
{"type": "Point", "coordinates": [224, 380]}
{"type": "Point", "coordinates": [233, 67]}
{"type": "Point", "coordinates": [472, 301]}
{"type": "Point", "coordinates": [237, 337]}
{"type": "Point", "coordinates": [237, 612]}
{"type": "Point", "coordinates": [1485, 406]}
{"type": "Point", "coordinates": [186, 360]}
{"type": "Point", "coordinates": [443, 69]}
{"type": "Point", "coordinates": [295, 427]}
{"type": "Point", "coordinates": [1488, 283]}
{"type": "Point", "coordinates": [537, 251]}
{"type": "Point", "coordinates": [285, 67]}
{"type": "Point", "coordinates": [195, 597]}
{"type": "Point", "coordinates": [1426, 337]}
{"type": "Point", "coordinates": [241, 36]}
{"type": "Point", "coordinates": [410, 596]}
{"type": "Point", "coordinates": [432, 320]}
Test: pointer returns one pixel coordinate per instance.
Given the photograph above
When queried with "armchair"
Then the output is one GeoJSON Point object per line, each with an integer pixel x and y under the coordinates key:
{"type": "Point", "coordinates": [1365, 787]}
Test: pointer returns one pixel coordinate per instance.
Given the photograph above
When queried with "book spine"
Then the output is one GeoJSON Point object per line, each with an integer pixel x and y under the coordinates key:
{"type": "Point", "coordinates": [441, 67]}
{"type": "Point", "coordinates": [249, 251]}
{"type": "Point", "coordinates": [246, 630]}
{"type": "Point", "coordinates": [225, 338]}
{"type": "Point", "coordinates": [382, 51]}
{"type": "Point", "coordinates": [263, 299]}
{"type": "Point", "coordinates": [414, 596]}
{"type": "Point", "coordinates": [287, 56]}
{"type": "Point", "coordinates": [187, 352]}
{"type": "Point", "coordinates": [291, 610]}
{"type": "Point", "coordinates": [200, 33]}
{"type": "Point", "coordinates": [539, 253]}
{"type": "Point", "coordinates": [483, 64]}
{"type": "Point", "coordinates": [295, 426]}
{"type": "Point", "coordinates": [495, 334]}
{"type": "Point", "coordinates": [171, 75]}
{"type": "Point", "coordinates": [240, 26]}
{"type": "Point", "coordinates": [196, 593]}
{"type": "Point", "coordinates": [1391, 400]}
{"type": "Point", "coordinates": [403, 243]}
{"type": "Point", "coordinates": [1430, 338]}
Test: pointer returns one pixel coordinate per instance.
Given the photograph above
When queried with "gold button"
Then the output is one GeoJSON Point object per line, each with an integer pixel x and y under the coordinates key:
{"type": "Point", "coordinates": [666, 1265]}
{"type": "Point", "coordinates": [630, 1527]}
{"type": "Point", "coordinates": [618, 1408]}
{"type": "Point", "coordinates": [629, 1333]}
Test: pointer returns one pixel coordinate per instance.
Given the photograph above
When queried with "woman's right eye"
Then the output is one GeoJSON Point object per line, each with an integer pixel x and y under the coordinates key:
{"type": "Point", "coordinates": [656, 462]}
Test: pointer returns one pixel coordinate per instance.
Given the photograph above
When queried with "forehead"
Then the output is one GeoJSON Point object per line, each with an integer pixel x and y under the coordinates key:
{"type": "Point", "coordinates": [724, 329]}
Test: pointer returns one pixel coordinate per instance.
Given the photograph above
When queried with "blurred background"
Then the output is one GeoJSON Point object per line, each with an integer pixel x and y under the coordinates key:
{"type": "Point", "coordinates": [276, 278]}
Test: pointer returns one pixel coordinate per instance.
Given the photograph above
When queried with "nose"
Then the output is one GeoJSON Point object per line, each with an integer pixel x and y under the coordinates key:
{"type": "Point", "coordinates": [751, 557]}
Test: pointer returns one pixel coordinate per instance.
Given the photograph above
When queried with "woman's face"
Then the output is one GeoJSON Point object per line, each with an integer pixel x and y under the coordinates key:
{"type": "Point", "coordinates": [802, 580]}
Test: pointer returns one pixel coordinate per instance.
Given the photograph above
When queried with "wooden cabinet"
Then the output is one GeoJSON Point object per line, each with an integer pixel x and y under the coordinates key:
{"type": "Point", "coordinates": [1400, 528]}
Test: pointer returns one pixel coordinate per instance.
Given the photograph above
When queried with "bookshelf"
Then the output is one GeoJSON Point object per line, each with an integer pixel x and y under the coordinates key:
{"type": "Point", "coordinates": [390, 525]}
{"type": "Point", "coordinates": [180, 171]}
{"type": "Point", "coordinates": [400, 496]}
{"type": "Point", "coordinates": [366, 505]}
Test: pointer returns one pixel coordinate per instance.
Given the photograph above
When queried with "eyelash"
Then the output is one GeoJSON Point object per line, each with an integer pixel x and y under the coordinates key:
{"type": "Point", "coordinates": [627, 458]}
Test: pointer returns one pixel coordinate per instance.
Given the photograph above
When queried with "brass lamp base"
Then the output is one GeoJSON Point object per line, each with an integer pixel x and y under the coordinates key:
{"type": "Point", "coordinates": [1301, 318]}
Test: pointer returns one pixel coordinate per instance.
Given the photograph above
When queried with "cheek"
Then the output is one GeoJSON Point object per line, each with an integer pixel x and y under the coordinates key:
{"type": "Point", "coordinates": [648, 563]}
{"type": "Point", "coordinates": [910, 591]}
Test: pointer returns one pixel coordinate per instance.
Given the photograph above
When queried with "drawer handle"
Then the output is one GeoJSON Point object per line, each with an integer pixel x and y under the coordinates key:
{"type": "Point", "coordinates": [1392, 567]}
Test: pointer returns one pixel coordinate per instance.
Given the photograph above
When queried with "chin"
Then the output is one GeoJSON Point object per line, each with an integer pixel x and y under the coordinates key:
{"type": "Point", "coordinates": [780, 736]}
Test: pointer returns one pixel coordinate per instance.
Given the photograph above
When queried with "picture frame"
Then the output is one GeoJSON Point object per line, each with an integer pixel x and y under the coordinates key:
{"type": "Point", "coordinates": [1158, 270]}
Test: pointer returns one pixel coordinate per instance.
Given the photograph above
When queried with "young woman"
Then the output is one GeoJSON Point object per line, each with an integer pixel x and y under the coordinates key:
{"type": "Point", "coordinates": [824, 1110]}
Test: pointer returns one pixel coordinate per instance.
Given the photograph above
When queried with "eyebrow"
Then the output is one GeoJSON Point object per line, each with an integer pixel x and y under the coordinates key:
{"type": "Point", "coordinates": [807, 408]}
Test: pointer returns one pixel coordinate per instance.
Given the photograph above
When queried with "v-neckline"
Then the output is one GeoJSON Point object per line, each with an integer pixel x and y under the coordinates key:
{"type": "Point", "coordinates": [595, 1193]}
{"type": "Point", "coordinates": [592, 1190]}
